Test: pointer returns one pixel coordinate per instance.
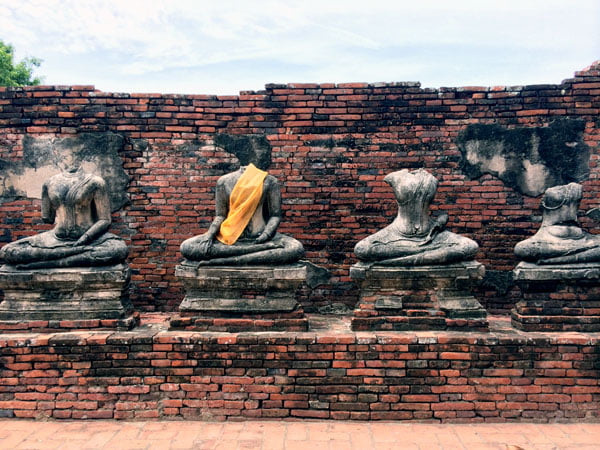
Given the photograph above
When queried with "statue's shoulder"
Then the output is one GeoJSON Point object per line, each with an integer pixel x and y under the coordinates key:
{"type": "Point", "coordinates": [94, 182]}
{"type": "Point", "coordinates": [229, 179]}
{"type": "Point", "coordinates": [54, 179]}
{"type": "Point", "coordinates": [88, 177]}
{"type": "Point", "coordinates": [97, 180]}
{"type": "Point", "coordinates": [270, 180]}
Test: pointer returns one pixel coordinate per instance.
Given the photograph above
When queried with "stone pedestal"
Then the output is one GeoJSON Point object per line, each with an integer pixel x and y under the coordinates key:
{"type": "Point", "coordinates": [64, 299]}
{"type": "Point", "coordinates": [240, 298]}
{"type": "Point", "coordinates": [557, 298]}
{"type": "Point", "coordinates": [418, 298]}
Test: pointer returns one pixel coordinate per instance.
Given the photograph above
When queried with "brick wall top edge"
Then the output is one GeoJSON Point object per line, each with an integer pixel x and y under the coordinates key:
{"type": "Point", "coordinates": [592, 67]}
{"type": "Point", "coordinates": [50, 87]}
{"type": "Point", "coordinates": [270, 87]}
{"type": "Point", "coordinates": [592, 70]}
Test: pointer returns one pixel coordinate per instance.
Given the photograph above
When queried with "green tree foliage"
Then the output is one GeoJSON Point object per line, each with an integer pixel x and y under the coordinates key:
{"type": "Point", "coordinates": [20, 74]}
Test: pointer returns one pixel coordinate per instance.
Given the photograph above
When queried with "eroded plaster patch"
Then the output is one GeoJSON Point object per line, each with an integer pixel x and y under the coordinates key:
{"type": "Point", "coordinates": [528, 159]}
{"type": "Point", "coordinates": [43, 156]}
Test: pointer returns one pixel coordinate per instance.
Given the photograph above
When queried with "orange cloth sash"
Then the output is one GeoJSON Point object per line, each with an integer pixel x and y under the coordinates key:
{"type": "Point", "coordinates": [243, 201]}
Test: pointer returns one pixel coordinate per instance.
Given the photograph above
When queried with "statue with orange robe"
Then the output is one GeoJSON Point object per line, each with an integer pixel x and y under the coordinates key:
{"type": "Point", "coordinates": [244, 230]}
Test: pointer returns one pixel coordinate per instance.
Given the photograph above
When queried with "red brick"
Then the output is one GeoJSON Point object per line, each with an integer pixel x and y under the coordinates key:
{"type": "Point", "coordinates": [456, 355]}
{"type": "Point", "coordinates": [128, 389]}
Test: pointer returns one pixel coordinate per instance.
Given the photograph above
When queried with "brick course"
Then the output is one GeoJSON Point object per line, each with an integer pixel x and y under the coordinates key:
{"type": "Point", "coordinates": [504, 375]}
{"type": "Point", "coordinates": [332, 145]}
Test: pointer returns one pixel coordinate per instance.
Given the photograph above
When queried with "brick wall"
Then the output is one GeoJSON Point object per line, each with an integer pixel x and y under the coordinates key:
{"type": "Point", "coordinates": [504, 375]}
{"type": "Point", "coordinates": [332, 145]}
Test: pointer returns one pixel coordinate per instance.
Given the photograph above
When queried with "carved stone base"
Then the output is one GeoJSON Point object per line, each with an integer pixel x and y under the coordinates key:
{"type": "Point", "coordinates": [70, 298]}
{"type": "Point", "coordinates": [240, 298]}
{"type": "Point", "coordinates": [557, 298]}
{"type": "Point", "coordinates": [418, 298]}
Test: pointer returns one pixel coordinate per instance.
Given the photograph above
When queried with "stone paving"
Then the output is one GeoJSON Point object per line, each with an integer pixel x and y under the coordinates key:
{"type": "Point", "coordinates": [292, 435]}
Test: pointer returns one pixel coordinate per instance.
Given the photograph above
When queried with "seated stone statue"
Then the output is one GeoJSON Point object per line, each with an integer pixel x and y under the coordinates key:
{"type": "Point", "coordinates": [560, 240]}
{"type": "Point", "coordinates": [414, 238]}
{"type": "Point", "coordinates": [77, 204]}
{"type": "Point", "coordinates": [244, 230]}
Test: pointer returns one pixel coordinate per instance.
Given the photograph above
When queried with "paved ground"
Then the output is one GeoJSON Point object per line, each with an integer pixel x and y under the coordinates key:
{"type": "Point", "coordinates": [307, 435]}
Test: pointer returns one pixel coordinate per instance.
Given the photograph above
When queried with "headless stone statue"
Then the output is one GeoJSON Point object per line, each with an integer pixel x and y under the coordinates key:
{"type": "Point", "coordinates": [560, 240]}
{"type": "Point", "coordinates": [254, 210]}
{"type": "Point", "coordinates": [414, 238]}
{"type": "Point", "coordinates": [77, 204]}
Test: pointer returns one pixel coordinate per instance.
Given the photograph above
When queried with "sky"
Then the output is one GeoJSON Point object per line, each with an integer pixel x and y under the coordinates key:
{"type": "Point", "coordinates": [227, 46]}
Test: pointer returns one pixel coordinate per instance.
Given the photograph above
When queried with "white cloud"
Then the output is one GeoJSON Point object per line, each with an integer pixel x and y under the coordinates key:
{"type": "Point", "coordinates": [326, 38]}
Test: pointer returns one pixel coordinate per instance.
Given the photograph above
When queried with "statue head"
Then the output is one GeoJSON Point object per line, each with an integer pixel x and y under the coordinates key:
{"type": "Point", "coordinates": [560, 204]}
